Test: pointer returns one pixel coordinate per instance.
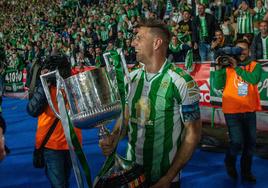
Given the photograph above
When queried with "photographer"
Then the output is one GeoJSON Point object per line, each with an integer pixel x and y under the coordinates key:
{"type": "Point", "coordinates": [56, 152]}
{"type": "Point", "coordinates": [240, 101]}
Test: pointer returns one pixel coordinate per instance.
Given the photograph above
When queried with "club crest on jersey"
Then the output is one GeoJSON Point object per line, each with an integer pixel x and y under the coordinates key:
{"type": "Point", "coordinates": [164, 85]}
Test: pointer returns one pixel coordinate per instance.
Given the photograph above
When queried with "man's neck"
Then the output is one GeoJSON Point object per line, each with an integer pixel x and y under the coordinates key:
{"type": "Point", "coordinates": [155, 65]}
{"type": "Point", "coordinates": [244, 62]}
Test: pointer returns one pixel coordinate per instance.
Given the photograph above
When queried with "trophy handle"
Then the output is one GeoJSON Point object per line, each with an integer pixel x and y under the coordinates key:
{"type": "Point", "coordinates": [44, 82]}
{"type": "Point", "coordinates": [123, 64]}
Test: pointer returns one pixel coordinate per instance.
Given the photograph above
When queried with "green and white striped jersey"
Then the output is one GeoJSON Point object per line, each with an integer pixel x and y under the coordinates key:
{"type": "Point", "coordinates": [174, 48]}
{"type": "Point", "coordinates": [260, 13]}
{"type": "Point", "coordinates": [244, 22]}
{"type": "Point", "coordinates": [155, 126]}
{"type": "Point", "coordinates": [104, 34]}
{"type": "Point", "coordinates": [205, 2]}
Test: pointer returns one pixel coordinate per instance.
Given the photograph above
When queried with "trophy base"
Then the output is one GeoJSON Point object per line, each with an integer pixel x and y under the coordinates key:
{"type": "Point", "coordinates": [123, 174]}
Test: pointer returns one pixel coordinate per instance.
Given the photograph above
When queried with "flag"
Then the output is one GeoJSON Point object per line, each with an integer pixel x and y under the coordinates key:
{"type": "Point", "coordinates": [168, 9]}
{"type": "Point", "coordinates": [189, 60]}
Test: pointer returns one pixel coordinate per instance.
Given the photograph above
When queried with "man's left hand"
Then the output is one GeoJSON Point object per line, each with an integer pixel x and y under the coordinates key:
{"type": "Point", "coordinates": [162, 183]}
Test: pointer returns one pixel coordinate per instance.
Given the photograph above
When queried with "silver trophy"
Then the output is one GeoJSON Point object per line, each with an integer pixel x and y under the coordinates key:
{"type": "Point", "coordinates": [93, 100]}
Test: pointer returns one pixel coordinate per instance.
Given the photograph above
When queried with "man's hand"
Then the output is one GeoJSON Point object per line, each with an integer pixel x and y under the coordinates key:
{"type": "Point", "coordinates": [214, 44]}
{"type": "Point", "coordinates": [44, 71]}
{"type": "Point", "coordinates": [233, 62]}
{"type": "Point", "coordinates": [2, 145]}
{"type": "Point", "coordinates": [218, 65]}
{"type": "Point", "coordinates": [195, 45]}
{"type": "Point", "coordinates": [164, 182]}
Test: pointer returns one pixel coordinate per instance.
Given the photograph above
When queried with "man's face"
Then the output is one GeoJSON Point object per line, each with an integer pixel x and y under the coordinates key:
{"type": "Point", "coordinates": [244, 5]}
{"type": "Point", "coordinates": [245, 53]}
{"type": "Point", "coordinates": [259, 4]}
{"type": "Point", "coordinates": [219, 36]}
{"type": "Point", "coordinates": [128, 42]}
{"type": "Point", "coordinates": [143, 44]}
{"type": "Point", "coordinates": [201, 10]}
{"type": "Point", "coordinates": [98, 50]}
{"type": "Point", "coordinates": [264, 28]}
{"type": "Point", "coordinates": [120, 35]}
{"type": "Point", "coordinates": [186, 16]}
{"type": "Point", "coordinates": [174, 40]}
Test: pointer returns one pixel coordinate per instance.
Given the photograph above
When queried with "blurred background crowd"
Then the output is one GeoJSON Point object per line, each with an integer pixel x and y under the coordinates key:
{"type": "Point", "coordinates": [83, 30]}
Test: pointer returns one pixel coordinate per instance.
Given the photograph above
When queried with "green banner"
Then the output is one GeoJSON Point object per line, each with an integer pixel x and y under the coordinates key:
{"type": "Point", "coordinates": [216, 95]}
{"type": "Point", "coordinates": [13, 80]}
{"type": "Point", "coordinates": [263, 87]}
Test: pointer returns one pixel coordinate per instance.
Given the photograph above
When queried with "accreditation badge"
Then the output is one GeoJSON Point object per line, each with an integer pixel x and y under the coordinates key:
{"type": "Point", "coordinates": [242, 89]}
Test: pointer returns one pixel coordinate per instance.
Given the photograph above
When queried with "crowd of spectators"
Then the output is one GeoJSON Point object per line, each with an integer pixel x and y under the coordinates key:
{"type": "Point", "coordinates": [83, 30]}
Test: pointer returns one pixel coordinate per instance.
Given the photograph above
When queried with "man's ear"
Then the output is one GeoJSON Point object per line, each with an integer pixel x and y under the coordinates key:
{"type": "Point", "coordinates": [157, 43]}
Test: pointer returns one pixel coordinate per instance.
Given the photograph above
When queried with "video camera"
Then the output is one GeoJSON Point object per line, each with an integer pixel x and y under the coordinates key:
{"type": "Point", "coordinates": [225, 53]}
{"type": "Point", "coordinates": [51, 63]}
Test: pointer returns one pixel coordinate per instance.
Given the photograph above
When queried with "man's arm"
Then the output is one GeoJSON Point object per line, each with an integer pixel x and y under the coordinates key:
{"type": "Point", "coordinates": [219, 78]}
{"type": "Point", "coordinates": [194, 31]}
{"type": "Point", "coordinates": [250, 77]}
{"type": "Point", "coordinates": [189, 143]}
{"type": "Point", "coordinates": [236, 12]}
{"type": "Point", "coordinates": [266, 17]}
{"type": "Point", "coordinates": [253, 47]}
{"type": "Point", "coordinates": [2, 145]}
{"type": "Point", "coordinates": [38, 102]}
{"type": "Point", "coordinates": [190, 115]}
{"type": "Point", "coordinates": [251, 11]}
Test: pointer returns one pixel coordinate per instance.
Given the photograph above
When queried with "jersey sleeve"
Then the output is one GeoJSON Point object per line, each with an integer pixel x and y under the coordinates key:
{"type": "Point", "coordinates": [190, 95]}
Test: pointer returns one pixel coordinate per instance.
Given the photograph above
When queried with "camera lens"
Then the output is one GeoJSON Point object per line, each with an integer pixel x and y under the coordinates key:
{"type": "Point", "coordinates": [224, 60]}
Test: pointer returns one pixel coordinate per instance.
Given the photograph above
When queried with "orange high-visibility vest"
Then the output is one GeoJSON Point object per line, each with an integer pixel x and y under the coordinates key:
{"type": "Point", "coordinates": [231, 101]}
{"type": "Point", "coordinates": [57, 140]}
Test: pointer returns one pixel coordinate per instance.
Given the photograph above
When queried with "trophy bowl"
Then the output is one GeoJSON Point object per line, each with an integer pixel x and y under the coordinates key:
{"type": "Point", "coordinates": [93, 98]}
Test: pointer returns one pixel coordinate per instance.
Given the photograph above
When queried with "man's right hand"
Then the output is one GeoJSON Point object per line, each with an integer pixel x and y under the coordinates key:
{"type": "Point", "coordinates": [195, 45]}
{"type": "Point", "coordinates": [218, 65]}
{"type": "Point", "coordinates": [214, 44]}
{"type": "Point", "coordinates": [108, 144]}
